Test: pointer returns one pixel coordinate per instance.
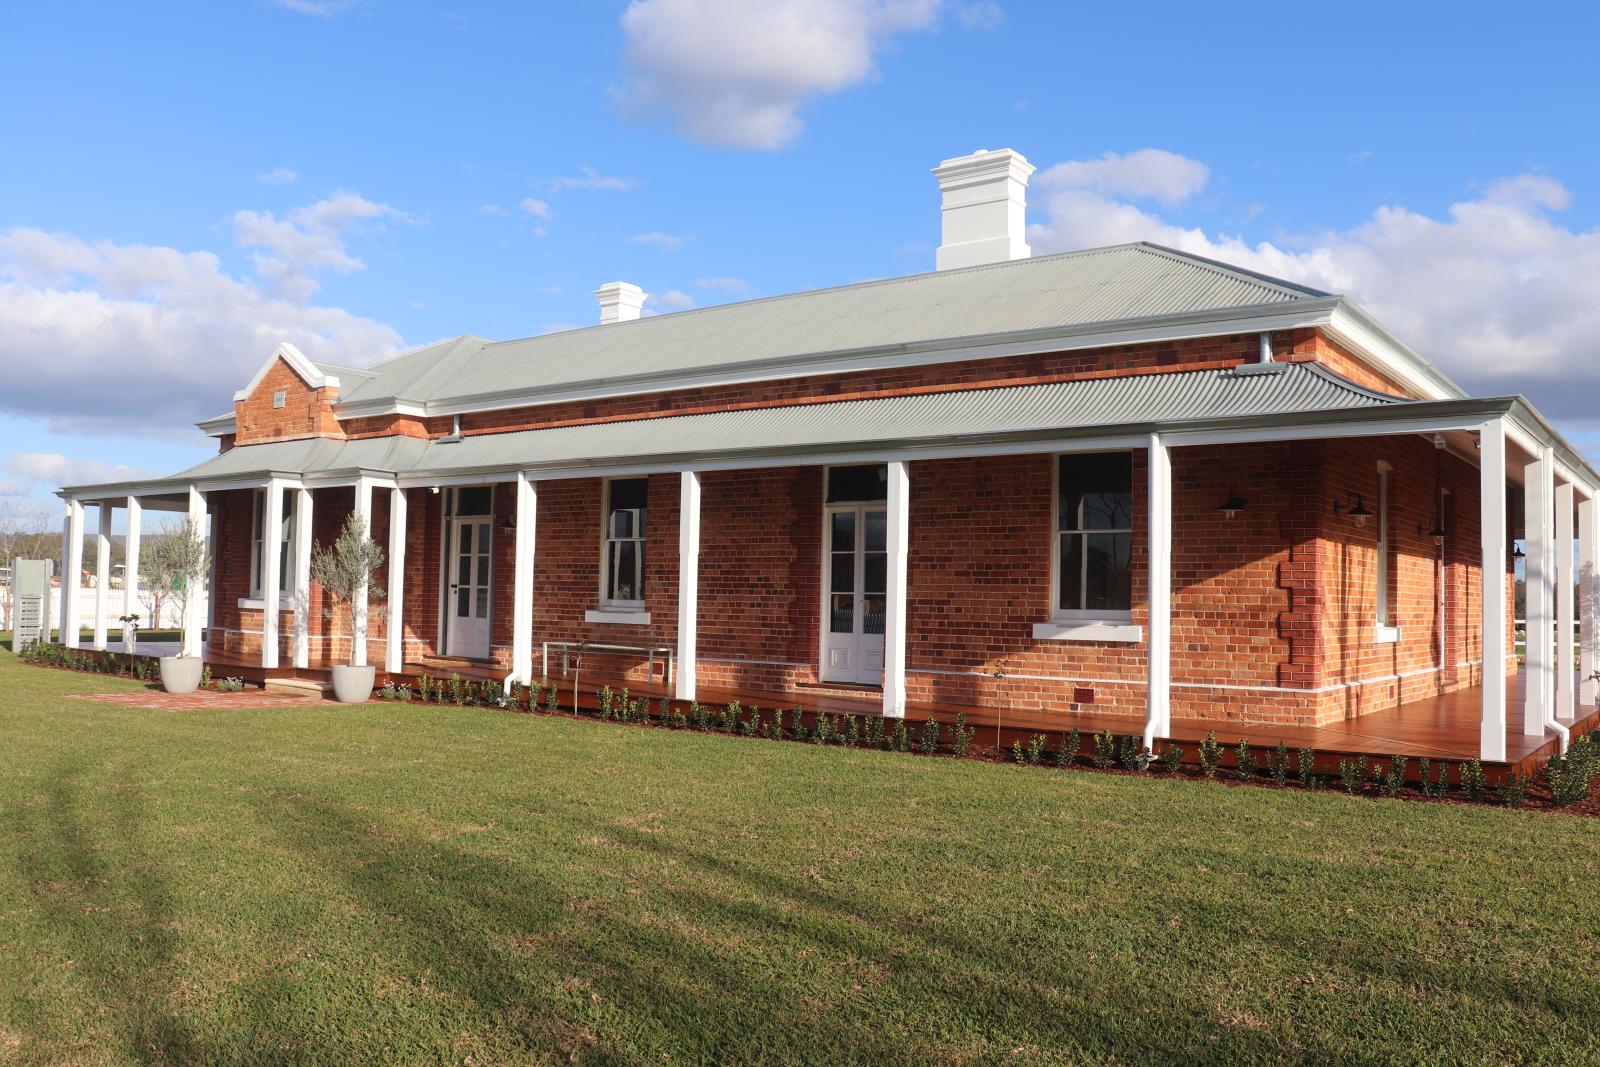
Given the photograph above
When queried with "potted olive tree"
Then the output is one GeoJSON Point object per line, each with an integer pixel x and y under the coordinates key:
{"type": "Point", "coordinates": [343, 571]}
{"type": "Point", "coordinates": [175, 565]}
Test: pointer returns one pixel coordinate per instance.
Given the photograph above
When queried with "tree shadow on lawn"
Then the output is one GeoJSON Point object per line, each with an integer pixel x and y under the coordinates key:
{"type": "Point", "coordinates": [549, 963]}
{"type": "Point", "coordinates": [110, 909]}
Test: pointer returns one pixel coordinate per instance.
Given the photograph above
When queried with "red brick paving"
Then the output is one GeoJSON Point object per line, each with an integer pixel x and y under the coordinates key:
{"type": "Point", "coordinates": [203, 700]}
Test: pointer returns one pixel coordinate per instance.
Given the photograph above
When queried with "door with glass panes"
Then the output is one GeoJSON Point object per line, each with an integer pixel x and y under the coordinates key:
{"type": "Point", "coordinates": [469, 587]}
{"type": "Point", "coordinates": [856, 576]}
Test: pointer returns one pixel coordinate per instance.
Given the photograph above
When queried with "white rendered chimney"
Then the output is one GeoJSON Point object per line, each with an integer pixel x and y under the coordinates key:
{"type": "Point", "coordinates": [984, 210]}
{"type": "Point", "coordinates": [620, 302]}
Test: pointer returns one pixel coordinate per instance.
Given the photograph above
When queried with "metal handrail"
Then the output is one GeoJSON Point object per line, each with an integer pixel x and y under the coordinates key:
{"type": "Point", "coordinates": [650, 653]}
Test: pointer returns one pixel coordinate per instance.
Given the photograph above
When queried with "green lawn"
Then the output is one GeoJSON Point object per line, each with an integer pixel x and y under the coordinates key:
{"type": "Point", "coordinates": [423, 885]}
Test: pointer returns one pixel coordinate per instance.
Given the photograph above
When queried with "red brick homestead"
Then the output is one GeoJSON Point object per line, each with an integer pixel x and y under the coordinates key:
{"type": "Point", "coordinates": [1125, 484]}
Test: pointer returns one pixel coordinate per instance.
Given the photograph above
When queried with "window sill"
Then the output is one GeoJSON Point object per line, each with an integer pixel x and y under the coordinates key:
{"type": "Point", "coordinates": [1386, 635]}
{"type": "Point", "coordinates": [618, 616]}
{"type": "Point", "coordinates": [255, 603]}
{"type": "Point", "coordinates": [1107, 630]}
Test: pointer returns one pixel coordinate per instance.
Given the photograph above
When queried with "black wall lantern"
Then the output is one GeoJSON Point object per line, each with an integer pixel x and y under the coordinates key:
{"type": "Point", "coordinates": [1357, 510]}
{"type": "Point", "coordinates": [1231, 507]}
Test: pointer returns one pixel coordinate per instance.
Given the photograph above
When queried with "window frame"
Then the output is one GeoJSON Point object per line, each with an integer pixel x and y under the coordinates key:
{"type": "Point", "coordinates": [607, 602]}
{"type": "Point", "coordinates": [1385, 631]}
{"type": "Point", "coordinates": [1058, 613]}
{"type": "Point", "coordinates": [258, 532]}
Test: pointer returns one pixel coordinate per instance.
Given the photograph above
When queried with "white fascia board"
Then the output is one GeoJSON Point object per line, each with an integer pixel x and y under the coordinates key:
{"type": "Point", "coordinates": [222, 424]}
{"type": "Point", "coordinates": [1359, 332]}
{"type": "Point", "coordinates": [297, 361]}
{"type": "Point", "coordinates": [1299, 314]}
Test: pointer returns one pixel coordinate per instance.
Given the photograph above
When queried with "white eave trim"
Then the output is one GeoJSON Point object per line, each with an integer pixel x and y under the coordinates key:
{"type": "Point", "coordinates": [1354, 330]}
{"type": "Point", "coordinates": [297, 361]}
{"type": "Point", "coordinates": [1269, 318]}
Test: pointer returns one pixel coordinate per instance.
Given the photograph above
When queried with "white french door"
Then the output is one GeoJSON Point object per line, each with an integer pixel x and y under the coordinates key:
{"type": "Point", "coordinates": [855, 576]}
{"type": "Point", "coordinates": [469, 587]}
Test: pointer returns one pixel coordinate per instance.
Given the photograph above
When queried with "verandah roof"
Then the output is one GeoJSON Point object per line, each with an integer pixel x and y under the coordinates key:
{"type": "Point", "coordinates": [1139, 402]}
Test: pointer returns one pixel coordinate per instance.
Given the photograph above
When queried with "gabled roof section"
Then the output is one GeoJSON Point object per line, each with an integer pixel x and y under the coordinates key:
{"type": "Point", "coordinates": [1124, 284]}
{"type": "Point", "coordinates": [311, 373]}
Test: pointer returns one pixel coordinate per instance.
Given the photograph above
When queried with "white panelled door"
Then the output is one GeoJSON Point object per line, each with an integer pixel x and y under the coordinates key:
{"type": "Point", "coordinates": [855, 575]}
{"type": "Point", "coordinates": [469, 587]}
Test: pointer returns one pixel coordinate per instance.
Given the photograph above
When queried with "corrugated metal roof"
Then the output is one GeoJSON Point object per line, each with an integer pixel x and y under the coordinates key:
{"type": "Point", "coordinates": [1105, 403]}
{"type": "Point", "coordinates": [1101, 285]}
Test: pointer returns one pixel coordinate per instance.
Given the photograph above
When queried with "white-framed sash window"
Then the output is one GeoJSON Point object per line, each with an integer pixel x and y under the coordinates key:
{"type": "Point", "coordinates": [1093, 542]}
{"type": "Point", "coordinates": [286, 555]}
{"type": "Point", "coordinates": [622, 544]}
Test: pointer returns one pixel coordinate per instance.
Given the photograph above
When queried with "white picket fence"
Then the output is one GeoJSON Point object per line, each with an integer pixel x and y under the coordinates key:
{"type": "Point", "coordinates": [118, 604]}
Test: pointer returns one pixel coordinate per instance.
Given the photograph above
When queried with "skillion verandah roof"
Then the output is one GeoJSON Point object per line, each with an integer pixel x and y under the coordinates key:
{"type": "Point", "coordinates": [1137, 403]}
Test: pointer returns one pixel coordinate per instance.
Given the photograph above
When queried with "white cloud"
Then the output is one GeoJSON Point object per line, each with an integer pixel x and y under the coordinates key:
{"type": "Point", "coordinates": [278, 176]}
{"type": "Point", "coordinates": [589, 178]}
{"type": "Point", "coordinates": [537, 208]}
{"type": "Point", "coordinates": [1496, 292]}
{"type": "Point", "coordinates": [983, 15]}
{"type": "Point", "coordinates": [54, 469]}
{"type": "Point", "coordinates": [309, 239]}
{"type": "Point", "coordinates": [674, 300]}
{"type": "Point", "coordinates": [318, 7]}
{"type": "Point", "coordinates": [735, 73]}
{"type": "Point", "coordinates": [100, 337]}
{"type": "Point", "coordinates": [1148, 174]}
{"type": "Point", "coordinates": [494, 209]}
{"type": "Point", "coordinates": [668, 241]}
{"type": "Point", "coordinates": [727, 285]}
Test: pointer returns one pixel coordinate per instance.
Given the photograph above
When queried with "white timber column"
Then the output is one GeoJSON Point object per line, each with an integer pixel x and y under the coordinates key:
{"type": "Point", "coordinates": [1492, 535]}
{"type": "Point", "coordinates": [527, 503]}
{"type": "Point", "coordinates": [1588, 589]}
{"type": "Point", "coordinates": [898, 532]}
{"type": "Point", "coordinates": [1538, 494]}
{"type": "Point", "coordinates": [195, 522]}
{"type": "Point", "coordinates": [1158, 699]}
{"type": "Point", "coordinates": [102, 575]}
{"type": "Point", "coordinates": [688, 584]}
{"type": "Point", "coordinates": [394, 646]}
{"type": "Point", "coordinates": [1566, 619]}
{"type": "Point", "coordinates": [71, 572]}
{"type": "Point", "coordinates": [358, 640]}
{"type": "Point", "coordinates": [130, 574]}
{"type": "Point", "coordinates": [271, 554]}
{"type": "Point", "coordinates": [300, 587]}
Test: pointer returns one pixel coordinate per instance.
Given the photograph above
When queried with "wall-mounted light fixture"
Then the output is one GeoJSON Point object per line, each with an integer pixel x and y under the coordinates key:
{"type": "Point", "coordinates": [1437, 533]}
{"type": "Point", "coordinates": [1356, 509]}
{"type": "Point", "coordinates": [1231, 507]}
{"type": "Point", "coordinates": [1516, 551]}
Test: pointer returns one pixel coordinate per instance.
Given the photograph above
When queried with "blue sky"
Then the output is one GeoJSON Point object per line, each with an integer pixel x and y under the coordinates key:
{"type": "Point", "coordinates": [184, 183]}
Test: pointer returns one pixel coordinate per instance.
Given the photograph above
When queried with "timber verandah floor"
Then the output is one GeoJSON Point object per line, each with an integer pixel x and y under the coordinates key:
{"type": "Point", "coordinates": [1442, 728]}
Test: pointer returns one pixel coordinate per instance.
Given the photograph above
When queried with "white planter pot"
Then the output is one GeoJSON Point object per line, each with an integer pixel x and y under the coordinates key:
{"type": "Point", "coordinates": [353, 685]}
{"type": "Point", "coordinates": [181, 674]}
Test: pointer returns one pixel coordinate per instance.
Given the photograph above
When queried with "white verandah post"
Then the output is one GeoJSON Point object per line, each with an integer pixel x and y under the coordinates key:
{"type": "Point", "coordinates": [130, 574]}
{"type": "Point", "coordinates": [102, 575]}
{"type": "Point", "coordinates": [71, 572]}
{"type": "Point", "coordinates": [688, 584]}
{"type": "Point", "coordinates": [271, 579]}
{"type": "Point", "coordinates": [1539, 566]}
{"type": "Point", "coordinates": [358, 638]}
{"type": "Point", "coordinates": [898, 533]}
{"type": "Point", "coordinates": [1158, 700]}
{"type": "Point", "coordinates": [1566, 622]}
{"type": "Point", "coordinates": [1588, 576]}
{"type": "Point", "coordinates": [300, 650]}
{"type": "Point", "coordinates": [526, 545]}
{"type": "Point", "coordinates": [193, 618]}
{"type": "Point", "coordinates": [394, 650]}
{"type": "Point", "coordinates": [1492, 534]}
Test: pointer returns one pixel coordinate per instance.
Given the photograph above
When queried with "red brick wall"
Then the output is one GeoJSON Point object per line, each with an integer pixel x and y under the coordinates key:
{"type": "Point", "coordinates": [306, 412]}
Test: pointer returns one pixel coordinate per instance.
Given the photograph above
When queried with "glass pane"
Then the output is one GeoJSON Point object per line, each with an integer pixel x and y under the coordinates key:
{"type": "Point", "coordinates": [476, 500]}
{"type": "Point", "coordinates": [1096, 491]}
{"type": "Point", "coordinates": [483, 537]}
{"type": "Point", "coordinates": [465, 548]}
{"type": "Point", "coordinates": [627, 495]}
{"type": "Point", "coordinates": [844, 531]}
{"type": "Point", "coordinates": [1109, 578]}
{"type": "Point", "coordinates": [876, 577]}
{"type": "Point", "coordinates": [873, 608]}
{"type": "Point", "coordinates": [626, 559]}
{"type": "Point", "coordinates": [464, 571]}
{"type": "Point", "coordinates": [463, 601]}
{"type": "Point", "coordinates": [283, 566]}
{"type": "Point", "coordinates": [624, 523]}
{"type": "Point", "coordinates": [842, 614]}
{"type": "Point", "coordinates": [844, 572]}
{"type": "Point", "coordinates": [877, 531]}
{"type": "Point", "coordinates": [846, 484]}
{"type": "Point", "coordinates": [1071, 571]}
{"type": "Point", "coordinates": [483, 602]}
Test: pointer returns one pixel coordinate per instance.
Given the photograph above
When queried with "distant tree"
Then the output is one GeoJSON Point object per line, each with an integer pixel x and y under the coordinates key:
{"type": "Point", "coordinates": [176, 563]}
